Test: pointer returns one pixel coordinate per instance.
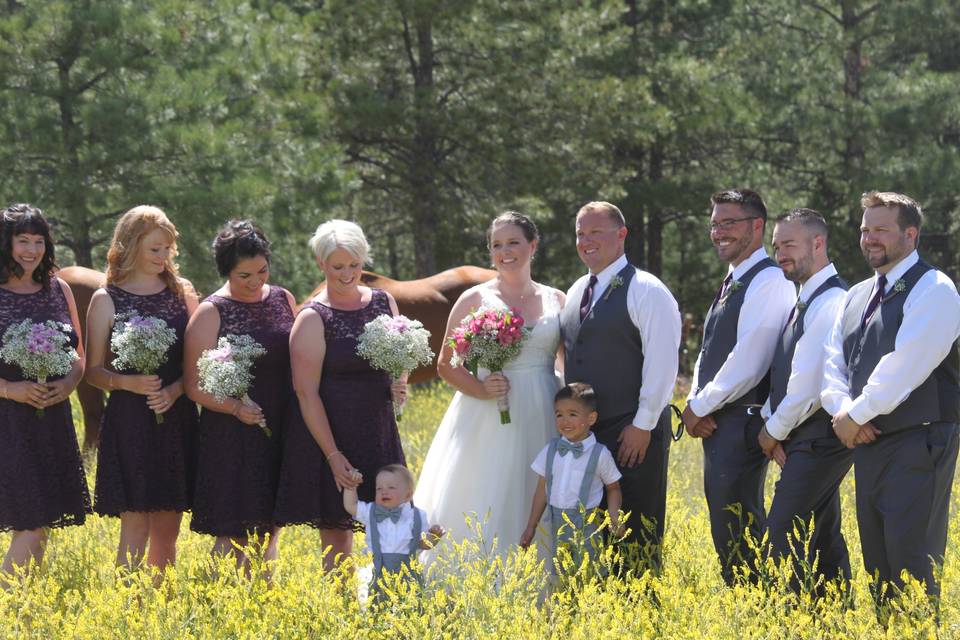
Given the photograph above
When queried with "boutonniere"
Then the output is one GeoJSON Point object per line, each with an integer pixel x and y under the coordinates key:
{"type": "Point", "coordinates": [615, 283]}
{"type": "Point", "coordinates": [899, 286]}
{"type": "Point", "coordinates": [801, 305]}
{"type": "Point", "coordinates": [734, 285]}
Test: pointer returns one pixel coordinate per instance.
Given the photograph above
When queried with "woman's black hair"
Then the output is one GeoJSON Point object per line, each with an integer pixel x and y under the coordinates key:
{"type": "Point", "coordinates": [236, 240]}
{"type": "Point", "coordinates": [26, 218]}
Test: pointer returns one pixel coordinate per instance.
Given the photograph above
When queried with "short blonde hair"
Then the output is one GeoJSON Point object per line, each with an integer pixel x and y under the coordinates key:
{"type": "Point", "coordinates": [343, 234]}
{"type": "Point", "coordinates": [128, 235]}
{"type": "Point", "coordinates": [402, 471]}
{"type": "Point", "coordinates": [608, 209]}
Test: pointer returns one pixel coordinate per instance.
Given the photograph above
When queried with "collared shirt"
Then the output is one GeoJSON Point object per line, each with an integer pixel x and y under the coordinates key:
{"type": "Point", "coordinates": [766, 305]}
{"type": "Point", "coordinates": [931, 324]}
{"type": "Point", "coordinates": [802, 398]}
{"type": "Point", "coordinates": [654, 312]}
{"type": "Point", "coordinates": [568, 475]}
{"type": "Point", "coordinates": [395, 537]}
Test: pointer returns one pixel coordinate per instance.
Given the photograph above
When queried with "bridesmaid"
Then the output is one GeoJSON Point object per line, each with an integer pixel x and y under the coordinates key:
{"type": "Point", "coordinates": [42, 484]}
{"type": "Point", "coordinates": [144, 469]}
{"type": "Point", "coordinates": [237, 463]}
{"type": "Point", "coordinates": [344, 418]}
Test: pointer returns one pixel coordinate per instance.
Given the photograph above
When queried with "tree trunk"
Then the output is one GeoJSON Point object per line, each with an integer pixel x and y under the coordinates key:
{"type": "Point", "coordinates": [73, 200]}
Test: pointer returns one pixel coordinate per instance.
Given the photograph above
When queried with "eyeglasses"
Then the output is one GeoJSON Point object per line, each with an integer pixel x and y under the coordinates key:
{"type": "Point", "coordinates": [726, 225]}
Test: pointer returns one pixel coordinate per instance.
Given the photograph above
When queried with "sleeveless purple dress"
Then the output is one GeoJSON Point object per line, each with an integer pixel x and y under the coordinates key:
{"type": "Point", "coordinates": [142, 465]}
{"type": "Point", "coordinates": [357, 401]}
{"type": "Point", "coordinates": [237, 463]}
{"type": "Point", "coordinates": [42, 483]}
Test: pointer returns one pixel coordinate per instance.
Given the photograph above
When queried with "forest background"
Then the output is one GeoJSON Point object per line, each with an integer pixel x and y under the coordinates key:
{"type": "Point", "coordinates": [421, 119]}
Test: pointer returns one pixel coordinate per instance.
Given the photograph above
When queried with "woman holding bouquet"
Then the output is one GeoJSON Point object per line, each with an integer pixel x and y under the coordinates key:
{"type": "Point", "coordinates": [42, 484]}
{"type": "Point", "coordinates": [477, 466]}
{"type": "Point", "coordinates": [345, 421]}
{"type": "Point", "coordinates": [237, 460]}
{"type": "Point", "coordinates": [144, 469]}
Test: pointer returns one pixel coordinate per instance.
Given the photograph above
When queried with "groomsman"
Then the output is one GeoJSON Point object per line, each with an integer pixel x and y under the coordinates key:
{"type": "Point", "coordinates": [891, 384]}
{"type": "Point", "coordinates": [621, 333]}
{"type": "Point", "coordinates": [740, 334]}
{"type": "Point", "coordinates": [797, 433]}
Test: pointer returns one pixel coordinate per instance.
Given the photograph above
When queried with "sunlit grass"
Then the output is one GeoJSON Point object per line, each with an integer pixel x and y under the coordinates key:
{"type": "Point", "coordinates": [77, 593]}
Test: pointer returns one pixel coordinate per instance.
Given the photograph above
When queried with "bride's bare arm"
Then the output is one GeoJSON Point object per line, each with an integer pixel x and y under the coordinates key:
{"type": "Point", "coordinates": [459, 377]}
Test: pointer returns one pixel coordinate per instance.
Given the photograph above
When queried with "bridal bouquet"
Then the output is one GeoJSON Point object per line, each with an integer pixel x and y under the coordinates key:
{"type": "Point", "coordinates": [488, 338]}
{"type": "Point", "coordinates": [225, 371]}
{"type": "Point", "coordinates": [141, 344]}
{"type": "Point", "coordinates": [397, 345]}
{"type": "Point", "coordinates": [42, 350]}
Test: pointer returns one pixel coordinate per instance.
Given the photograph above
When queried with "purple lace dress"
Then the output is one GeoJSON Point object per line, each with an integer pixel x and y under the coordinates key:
{"type": "Point", "coordinates": [357, 401]}
{"type": "Point", "coordinates": [237, 464]}
{"type": "Point", "coordinates": [142, 465]}
{"type": "Point", "coordinates": [42, 483]}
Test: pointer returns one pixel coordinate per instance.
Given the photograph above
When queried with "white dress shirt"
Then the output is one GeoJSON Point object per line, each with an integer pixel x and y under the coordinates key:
{"type": "Point", "coordinates": [654, 312]}
{"type": "Point", "coordinates": [802, 398]}
{"type": "Point", "coordinates": [568, 475]}
{"type": "Point", "coordinates": [766, 305]}
{"type": "Point", "coordinates": [931, 324]}
{"type": "Point", "coordinates": [395, 537]}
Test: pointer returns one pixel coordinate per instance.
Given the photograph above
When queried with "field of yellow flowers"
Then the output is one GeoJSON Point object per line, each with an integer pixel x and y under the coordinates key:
{"type": "Point", "coordinates": [79, 594]}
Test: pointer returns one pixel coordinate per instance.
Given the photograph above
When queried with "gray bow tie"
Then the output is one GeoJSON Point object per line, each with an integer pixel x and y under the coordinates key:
{"type": "Point", "coordinates": [565, 447]}
{"type": "Point", "coordinates": [381, 513]}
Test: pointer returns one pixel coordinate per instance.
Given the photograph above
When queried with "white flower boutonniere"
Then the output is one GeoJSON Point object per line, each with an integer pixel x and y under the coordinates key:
{"type": "Point", "coordinates": [899, 286]}
{"type": "Point", "coordinates": [801, 305]}
{"type": "Point", "coordinates": [615, 283]}
{"type": "Point", "coordinates": [734, 285]}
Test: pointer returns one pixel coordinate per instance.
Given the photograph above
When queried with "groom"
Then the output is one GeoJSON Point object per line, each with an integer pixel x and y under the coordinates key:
{"type": "Point", "coordinates": [621, 332]}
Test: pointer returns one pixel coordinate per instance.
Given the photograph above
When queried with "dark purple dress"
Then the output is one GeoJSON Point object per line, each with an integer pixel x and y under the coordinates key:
{"type": "Point", "coordinates": [142, 465]}
{"type": "Point", "coordinates": [237, 463]}
{"type": "Point", "coordinates": [357, 400]}
{"type": "Point", "coordinates": [42, 483]}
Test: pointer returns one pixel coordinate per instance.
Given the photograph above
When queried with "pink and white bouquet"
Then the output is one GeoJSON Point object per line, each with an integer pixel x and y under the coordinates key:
{"type": "Point", "coordinates": [141, 344]}
{"type": "Point", "coordinates": [489, 338]}
{"type": "Point", "coordinates": [397, 345]}
{"type": "Point", "coordinates": [225, 371]}
{"type": "Point", "coordinates": [41, 349]}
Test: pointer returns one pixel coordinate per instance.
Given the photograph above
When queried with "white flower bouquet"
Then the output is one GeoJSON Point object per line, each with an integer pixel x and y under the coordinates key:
{"type": "Point", "coordinates": [41, 349]}
{"type": "Point", "coordinates": [225, 371]}
{"type": "Point", "coordinates": [397, 345]}
{"type": "Point", "coordinates": [141, 344]}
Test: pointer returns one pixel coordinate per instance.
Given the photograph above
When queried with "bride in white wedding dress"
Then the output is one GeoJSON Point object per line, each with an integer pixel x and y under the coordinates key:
{"type": "Point", "coordinates": [476, 466]}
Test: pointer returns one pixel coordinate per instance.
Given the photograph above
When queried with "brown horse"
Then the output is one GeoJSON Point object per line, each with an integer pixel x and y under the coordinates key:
{"type": "Point", "coordinates": [428, 300]}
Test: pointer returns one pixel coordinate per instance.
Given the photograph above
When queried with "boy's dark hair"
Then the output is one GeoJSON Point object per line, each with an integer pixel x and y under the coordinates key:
{"type": "Point", "coordinates": [579, 391]}
{"type": "Point", "coordinates": [401, 471]}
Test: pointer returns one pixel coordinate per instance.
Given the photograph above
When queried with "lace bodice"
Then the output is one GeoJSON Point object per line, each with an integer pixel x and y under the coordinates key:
{"type": "Point", "coordinates": [342, 328]}
{"type": "Point", "coordinates": [540, 348]}
{"type": "Point", "coordinates": [167, 306]}
{"type": "Point", "coordinates": [38, 307]}
{"type": "Point", "coordinates": [267, 321]}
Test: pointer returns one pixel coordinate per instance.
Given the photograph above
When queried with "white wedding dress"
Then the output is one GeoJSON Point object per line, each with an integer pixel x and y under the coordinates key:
{"type": "Point", "coordinates": [480, 468]}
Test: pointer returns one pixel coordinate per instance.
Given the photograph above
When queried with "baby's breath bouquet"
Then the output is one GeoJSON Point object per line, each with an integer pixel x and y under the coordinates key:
{"type": "Point", "coordinates": [489, 338]}
{"type": "Point", "coordinates": [397, 345]}
{"type": "Point", "coordinates": [225, 371]}
{"type": "Point", "coordinates": [141, 344]}
{"type": "Point", "coordinates": [41, 349]}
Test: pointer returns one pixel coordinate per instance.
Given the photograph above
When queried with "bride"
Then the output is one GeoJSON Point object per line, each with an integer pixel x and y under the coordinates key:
{"type": "Point", "coordinates": [477, 467]}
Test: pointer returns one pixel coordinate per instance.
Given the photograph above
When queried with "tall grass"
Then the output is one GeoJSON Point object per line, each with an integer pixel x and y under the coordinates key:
{"type": "Point", "coordinates": [78, 594]}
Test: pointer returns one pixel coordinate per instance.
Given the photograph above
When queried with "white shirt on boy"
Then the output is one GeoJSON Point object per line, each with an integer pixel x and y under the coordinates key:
{"type": "Point", "coordinates": [568, 475]}
{"type": "Point", "coordinates": [395, 537]}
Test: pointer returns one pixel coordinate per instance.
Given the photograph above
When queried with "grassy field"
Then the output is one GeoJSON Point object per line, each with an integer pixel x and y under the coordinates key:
{"type": "Point", "coordinates": [78, 594]}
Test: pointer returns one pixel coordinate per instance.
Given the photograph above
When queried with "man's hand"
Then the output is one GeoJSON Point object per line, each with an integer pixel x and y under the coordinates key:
{"type": "Point", "coordinates": [772, 448]}
{"type": "Point", "coordinates": [633, 446]}
{"type": "Point", "coordinates": [696, 426]}
{"type": "Point", "coordinates": [850, 433]}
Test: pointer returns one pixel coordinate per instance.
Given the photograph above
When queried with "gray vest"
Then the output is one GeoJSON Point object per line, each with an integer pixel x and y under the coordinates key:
{"type": "Point", "coordinates": [605, 351]}
{"type": "Point", "coordinates": [937, 399]}
{"type": "Point", "coordinates": [720, 336]}
{"type": "Point", "coordinates": [819, 424]}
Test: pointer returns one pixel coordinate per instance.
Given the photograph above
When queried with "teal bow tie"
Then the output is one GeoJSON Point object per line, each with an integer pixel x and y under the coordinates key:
{"type": "Point", "coordinates": [382, 513]}
{"type": "Point", "coordinates": [565, 447]}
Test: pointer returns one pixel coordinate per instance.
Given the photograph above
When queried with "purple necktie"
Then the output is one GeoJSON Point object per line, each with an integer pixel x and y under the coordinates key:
{"type": "Point", "coordinates": [587, 297]}
{"type": "Point", "coordinates": [874, 301]}
{"type": "Point", "coordinates": [723, 288]}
